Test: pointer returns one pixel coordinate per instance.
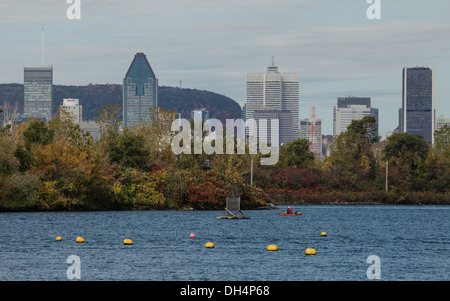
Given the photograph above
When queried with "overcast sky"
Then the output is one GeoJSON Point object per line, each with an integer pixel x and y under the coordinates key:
{"type": "Point", "coordinates": [212, 44]}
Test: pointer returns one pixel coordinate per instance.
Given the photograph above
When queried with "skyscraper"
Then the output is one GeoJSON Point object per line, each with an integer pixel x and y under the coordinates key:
{"type": "Point", "coordinates": [140, 91]}
{"type": "Point", "coordinates": [275, 90]}
{"type": "Point", "coordinates": [73, 107]}
{"type": "Point", "coordinates": [417, 113]}
{"type": "Point", "coordinates": [351, 108]}
{"type": "Point", "coordinates": [284, 124]}
{"type": "Point", "coordinates": [38, 92]}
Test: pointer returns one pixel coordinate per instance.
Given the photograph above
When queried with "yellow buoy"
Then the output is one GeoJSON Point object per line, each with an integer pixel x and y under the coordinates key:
{"type": "Point", "coordinates": [272, 248]}
{"type": "Point", "coordinates": [310, 251]}
{"type": "Point", "coordinates": [209, 245]}
{"type": "Point", "coordinates": [58, 238]}
{"type": "Point", "coordinates": [323, 234]}
{"type": "Point", "coordinates": [127, 242]}
{"type": "Point", "coordinates": [80, 239]}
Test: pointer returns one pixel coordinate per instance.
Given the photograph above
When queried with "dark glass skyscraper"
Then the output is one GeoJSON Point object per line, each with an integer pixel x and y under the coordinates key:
{"type": "Point", "coordinates": [38, 92]}
{"type": "Point", "coordinates": [140, 91]}
{"type": "Point", "coordinates": [417, 113]}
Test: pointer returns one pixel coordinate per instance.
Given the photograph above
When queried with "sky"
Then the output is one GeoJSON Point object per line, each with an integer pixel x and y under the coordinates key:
{"type": "Point", "coordinates": [213, 44]}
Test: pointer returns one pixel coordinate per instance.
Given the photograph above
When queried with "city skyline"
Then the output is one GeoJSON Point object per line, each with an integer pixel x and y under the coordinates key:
{"type": "Point", "coordinates": [212, 45]}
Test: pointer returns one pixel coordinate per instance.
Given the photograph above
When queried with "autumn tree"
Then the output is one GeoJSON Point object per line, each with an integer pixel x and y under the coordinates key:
{"type": "Point", "coordinates": [438, 161]}
{"type": "Point", "coordinates": [110, 121]}
{"type": "Point", "coordinates": [354, 148]}
{"type": "Point", "coordinates": [157, 135]}
{"type": "Point", "coordinates": [36, 135]}
{"type": "Point", "coordinates": [64, 127]}
{"type": "Point", "coordinates": [129, 151]}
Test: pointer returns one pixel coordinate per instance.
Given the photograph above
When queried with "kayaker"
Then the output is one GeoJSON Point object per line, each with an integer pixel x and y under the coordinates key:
{"type": "Point", "coordinates": [289, 210]}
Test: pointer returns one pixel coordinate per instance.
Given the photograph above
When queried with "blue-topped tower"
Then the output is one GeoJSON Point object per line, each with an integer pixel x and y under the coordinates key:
{"type": "Point", "coordinates": [140, 91]}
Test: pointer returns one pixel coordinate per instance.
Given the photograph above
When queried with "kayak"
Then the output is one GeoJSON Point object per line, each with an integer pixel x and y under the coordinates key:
{"type": "Point", "coordinates": [290, 213]}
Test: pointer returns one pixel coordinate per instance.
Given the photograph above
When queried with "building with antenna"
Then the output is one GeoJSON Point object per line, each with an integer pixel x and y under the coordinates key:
{"type": "Point", "coordinates": [277, 91]}
{"type": "Point", "coordinates": [38, 90]}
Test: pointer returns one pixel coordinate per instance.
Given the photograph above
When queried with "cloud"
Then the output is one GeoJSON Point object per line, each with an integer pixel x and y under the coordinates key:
{"type": "Point", "coordinates": [212, 44]}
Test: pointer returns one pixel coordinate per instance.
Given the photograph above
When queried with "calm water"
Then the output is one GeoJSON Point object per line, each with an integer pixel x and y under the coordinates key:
{"type": "Point", "coordinates": [412, 243]}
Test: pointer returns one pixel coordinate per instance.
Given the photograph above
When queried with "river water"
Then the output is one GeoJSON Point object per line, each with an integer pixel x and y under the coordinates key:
{"type": "Point", "coordinates": [409, 242]}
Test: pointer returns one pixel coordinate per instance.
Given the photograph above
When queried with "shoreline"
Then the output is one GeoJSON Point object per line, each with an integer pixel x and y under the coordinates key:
{"type": "Point", "coordinates": [271, 207]}
{"type": "Point", "coordinates": [271, 201]}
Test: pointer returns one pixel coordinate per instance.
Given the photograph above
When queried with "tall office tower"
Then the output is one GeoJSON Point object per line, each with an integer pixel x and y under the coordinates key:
{"type": "Point", "coordinates": [284, 124]}
{"type": "Point", "coordinates": [311, 130]}
{"type": "Point", "coordinates": [276, 90]}
{"type": "Point", "coordinates": [72, 106]}
{"type": "Point", "coordinates": [140, 91]}
{"type": "Point", "coordinates": [38, 92]}
{"type": "Point", "coordinates": [417, 102]}
{"type": "Point", "coordinates": [351, 108]}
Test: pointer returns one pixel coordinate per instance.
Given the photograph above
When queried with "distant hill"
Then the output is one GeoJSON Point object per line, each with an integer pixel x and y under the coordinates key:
{"type": "Point", "coordinates": [94, 97]}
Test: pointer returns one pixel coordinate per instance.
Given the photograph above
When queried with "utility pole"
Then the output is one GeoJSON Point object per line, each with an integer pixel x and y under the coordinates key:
{"type": "Point", "coordinates": [387, 171]}
{"type": "Point", "coordinates": [251, 171]}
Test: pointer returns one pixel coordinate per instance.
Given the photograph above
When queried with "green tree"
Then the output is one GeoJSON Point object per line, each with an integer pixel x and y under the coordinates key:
{"type": "Point", "coordinates": [438, 161]}
{"type": "Point", "coordinates": [407, 153]}
{"type": "Point", "coordinates": [129, 151]}
{"type": "Point", "coordinates": [38, 133]}
{"type": "Point", "coordinates": [442, 141]}
{"type": "Point", "coordinates": [296, 154]}
{"type": "Point", "coordinates": [355, 148]}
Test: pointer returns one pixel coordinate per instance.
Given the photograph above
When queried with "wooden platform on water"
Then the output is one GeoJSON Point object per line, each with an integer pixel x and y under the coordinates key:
{"type": "Point", "coordinates": [230, 215]}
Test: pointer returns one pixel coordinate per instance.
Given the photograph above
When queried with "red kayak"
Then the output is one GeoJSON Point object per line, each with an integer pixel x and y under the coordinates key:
{"type": "Point", "coordinates": [290, 213]}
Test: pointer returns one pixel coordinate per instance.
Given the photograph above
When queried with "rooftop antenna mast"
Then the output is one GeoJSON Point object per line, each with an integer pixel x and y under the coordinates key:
{"type": "Point", "coordinates": [42, 44]}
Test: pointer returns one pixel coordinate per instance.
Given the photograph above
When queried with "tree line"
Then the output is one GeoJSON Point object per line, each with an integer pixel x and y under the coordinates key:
{"type": "Point", "coordinates": [56, 166]}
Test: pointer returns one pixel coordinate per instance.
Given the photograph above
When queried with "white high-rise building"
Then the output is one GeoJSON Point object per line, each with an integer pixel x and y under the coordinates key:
{"type": "Point", "coordinates": [275, 90]}
{"type": "Point", "coordinates": [72, 106]}
{"type": "Point", "coordinates": [351, 108]}
{"type": "Point", "coordinates": [442, 121]}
